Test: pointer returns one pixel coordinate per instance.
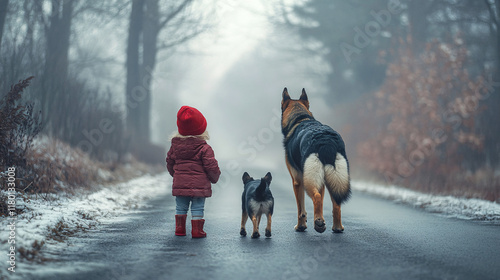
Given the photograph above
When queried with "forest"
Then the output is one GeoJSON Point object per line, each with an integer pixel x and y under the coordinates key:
{"type": "Point", "coordinates": [412, 85]}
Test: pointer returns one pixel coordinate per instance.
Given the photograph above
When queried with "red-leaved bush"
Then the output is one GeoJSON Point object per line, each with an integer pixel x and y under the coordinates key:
{"type": "Point", "coordinates": [422, 124]}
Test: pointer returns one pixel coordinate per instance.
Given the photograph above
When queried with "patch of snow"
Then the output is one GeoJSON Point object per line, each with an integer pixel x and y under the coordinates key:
{"type": "Point", "coordinates": [104, 175]}
{"type": "Point", "coordinates": [84, 210]}
{"type": "Point", "coordinates": [449, 206]}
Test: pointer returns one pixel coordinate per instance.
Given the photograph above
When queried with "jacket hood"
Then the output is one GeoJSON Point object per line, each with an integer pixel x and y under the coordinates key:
{"type": "Point", "coordinates": [186, 148]}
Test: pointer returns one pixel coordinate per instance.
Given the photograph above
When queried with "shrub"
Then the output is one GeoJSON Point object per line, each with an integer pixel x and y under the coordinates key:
{"type": "Point", "coordinates": [426, 136]}
{"type": "Point", "coordinates": [18, 127]}
{"type": "Point", "coordinates": [91, 122]}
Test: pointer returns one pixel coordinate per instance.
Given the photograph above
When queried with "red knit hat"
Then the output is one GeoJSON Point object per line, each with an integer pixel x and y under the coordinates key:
{"type": "Point", "coordinates": [190, 121]}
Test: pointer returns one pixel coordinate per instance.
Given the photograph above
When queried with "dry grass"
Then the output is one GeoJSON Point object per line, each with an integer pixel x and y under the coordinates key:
{"type": "Point", "coordinates": [54, 167]}
{"type": "Point", "coordinates": [32, 253]}
{"type": "Point", "coordinates": [58, 167]}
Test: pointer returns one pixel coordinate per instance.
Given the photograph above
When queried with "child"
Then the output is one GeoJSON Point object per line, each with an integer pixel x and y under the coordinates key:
{"type": "Point", "coordinates": [191, 161]}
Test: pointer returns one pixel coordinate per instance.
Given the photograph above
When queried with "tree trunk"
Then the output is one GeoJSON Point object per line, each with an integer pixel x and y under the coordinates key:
{"type": "Point", "coordinates": [417, 15]}
{"type": "Point", "coordinates": [497, 5]}
{"type": "Point", "coordinates": [135, 92]}
{"type": "Point", "coordinates": [56, 66]}
{"type": "Point", "coordinates": [145, 20]}
{"type": "Point", "coordinates": [150, 49]}
{"type": "Point", "coordinates": [495, 104]}
{"type": "Point", "coordinates": [488, 121]}
{"type": "Point", "coordinates": [3, 14]}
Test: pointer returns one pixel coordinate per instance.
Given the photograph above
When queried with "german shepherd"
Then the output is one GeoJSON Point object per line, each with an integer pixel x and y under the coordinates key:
{"type": "Point", "coordinates": [315, 157]}
{"type": "Point", "coordinates": [256, 200]}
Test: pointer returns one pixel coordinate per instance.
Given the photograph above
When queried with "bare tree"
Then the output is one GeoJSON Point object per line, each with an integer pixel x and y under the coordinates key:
{"type": "Point", "coordinates": [3, 13]}
{"type": "Point", "coordinates": [58, 32]}
{"type": "Point", "coordinates": [149, 18]}
{"type": "Point", "coordinates": [418, 11]}
{"type": "Point", "coordinates": [133, 88]}
{"type": "Point", "coordinates": [491, 116]}
{"type": "Point", "coordinates": [326, 30]}
{"type": "Point", "coordinates": [496, 21]}
{"type": "Point", "coordinates": [22, 44]}
{"type": "Point", "coordinates": [150, 49]}
{"type": "Point", "coordinates": [494, 13]}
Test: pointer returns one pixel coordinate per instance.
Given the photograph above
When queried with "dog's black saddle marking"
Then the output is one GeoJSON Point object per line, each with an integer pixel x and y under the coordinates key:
{"type": "Point", "coordinates": [311, 136]}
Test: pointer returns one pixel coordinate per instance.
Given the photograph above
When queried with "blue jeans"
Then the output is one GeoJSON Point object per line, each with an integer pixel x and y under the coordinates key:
{"type": "Point", "coordinates": [197, 206]}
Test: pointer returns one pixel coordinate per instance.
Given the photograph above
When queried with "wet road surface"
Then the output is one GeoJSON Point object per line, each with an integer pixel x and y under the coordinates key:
{"type": "Point", "coordinates": [382, 240]}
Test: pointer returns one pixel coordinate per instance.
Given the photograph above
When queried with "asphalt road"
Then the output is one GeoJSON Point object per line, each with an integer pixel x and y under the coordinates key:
{"type": "Point", "coordinates": [382, 240]}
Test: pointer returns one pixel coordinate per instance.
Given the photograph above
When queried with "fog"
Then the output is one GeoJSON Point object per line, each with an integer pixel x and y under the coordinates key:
{"type": "Point", "coordinates": [412, 86]}
{"type": "Point", "coordinates": [236, 76]}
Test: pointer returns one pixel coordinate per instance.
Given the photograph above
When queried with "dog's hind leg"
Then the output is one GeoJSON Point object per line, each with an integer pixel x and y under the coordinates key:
{"type": "Point", "coordinates": [314, 184]}
{"type": "Point", "coordinates": [244, 218]}
{"type": "Point", "coordinates": [338, 185]}
{"type": "Point", "coordinates": [268, 228]}
{"type": "Point", "coordinates": [319, 220]}
{"type": "Point", "coordinates": [317, 197]}
{"type": "Point", "coordinates": [298, 189]}
{"type": "Point", "coordinates": [255, 222]}
{"type": "Point", "coordinates": [337, 220]}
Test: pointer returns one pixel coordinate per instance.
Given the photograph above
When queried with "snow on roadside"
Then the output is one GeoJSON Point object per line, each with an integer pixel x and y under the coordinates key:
{"type": "Point", "coordinates": [78, 211]}
{"type": "Point", "coordinates": [449, 206]}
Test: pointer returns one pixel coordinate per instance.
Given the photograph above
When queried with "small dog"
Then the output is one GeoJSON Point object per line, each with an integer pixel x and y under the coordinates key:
{"type": "Point", "coordinates": [256, 199]}
{"type": "Point", "coordinates": [315, 156]}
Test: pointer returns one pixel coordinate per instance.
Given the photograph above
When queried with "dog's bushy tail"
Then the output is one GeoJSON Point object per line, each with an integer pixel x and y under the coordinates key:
{"type": "Point", "coordinates": [330, 170]}
{"type": "Point", "coordinates": [337, 179]}
{"type": "Point", "coordinates": [335, 169]}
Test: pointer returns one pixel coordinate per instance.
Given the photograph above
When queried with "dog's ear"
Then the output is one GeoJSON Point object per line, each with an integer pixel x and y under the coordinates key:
{"type": "Point", "coordinates": [303, 98]}
{"type": "Point", "coordinates": [284, 101]}
{"type": "Point", "coordinates": [268, 177]}
{"type": "Point", "coordinates": [286, 96]}
{"type": "Point", "coordinates": [246, 178]}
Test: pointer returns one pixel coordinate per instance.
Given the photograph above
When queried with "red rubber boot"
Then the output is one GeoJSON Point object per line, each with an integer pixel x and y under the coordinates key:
{"type": "Point", "coordinates": [197, 228]}
{"type": "Point", "coordinates": [180, 225]}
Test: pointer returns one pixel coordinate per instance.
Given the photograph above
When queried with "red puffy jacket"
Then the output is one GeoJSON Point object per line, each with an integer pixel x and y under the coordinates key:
{"type": "Point", "coordinates": [191, 161]}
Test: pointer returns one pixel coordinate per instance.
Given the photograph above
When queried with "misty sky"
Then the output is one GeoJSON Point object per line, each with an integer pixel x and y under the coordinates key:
{"type": "Point", "coordinates": [235, 76]}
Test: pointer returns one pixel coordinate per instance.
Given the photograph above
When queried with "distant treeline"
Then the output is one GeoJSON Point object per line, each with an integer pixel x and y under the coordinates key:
{"type": "Point", "coordinates": [73, 89]}
{"type": "Point", "coordinates": [419, 82]}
